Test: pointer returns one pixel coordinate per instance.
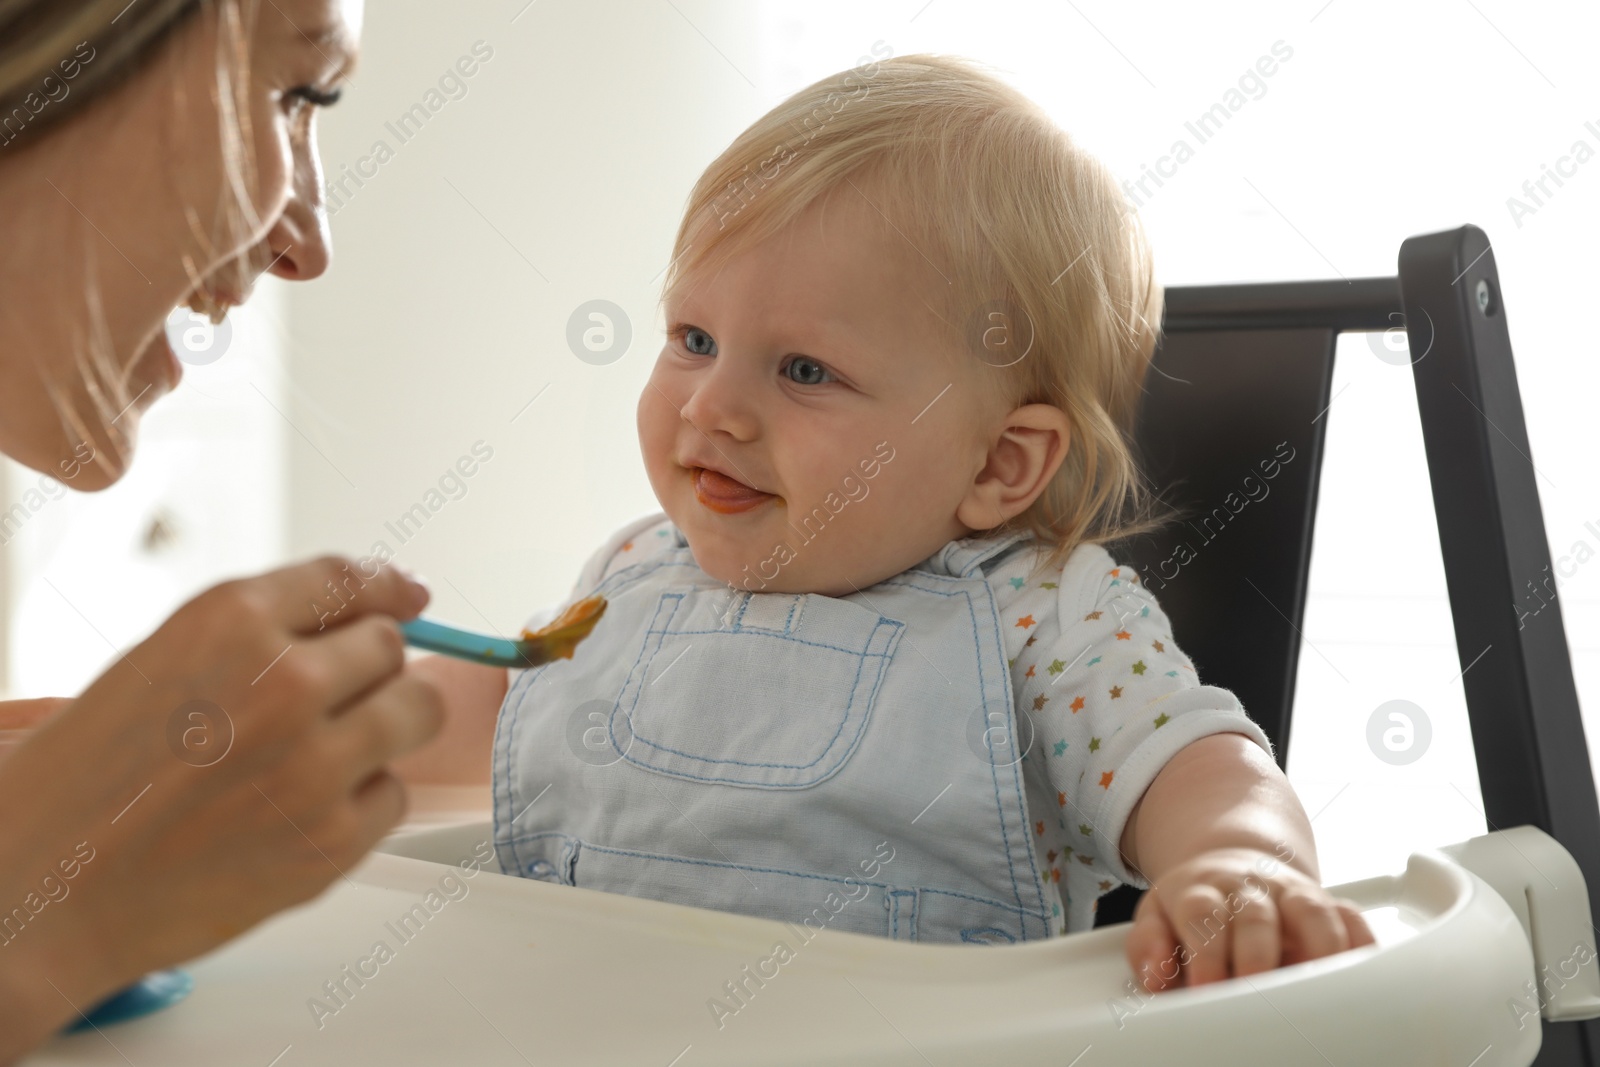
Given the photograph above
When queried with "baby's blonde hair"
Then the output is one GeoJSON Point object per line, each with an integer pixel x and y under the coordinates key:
{"type": "Point", "coordinates": [1015, 215]}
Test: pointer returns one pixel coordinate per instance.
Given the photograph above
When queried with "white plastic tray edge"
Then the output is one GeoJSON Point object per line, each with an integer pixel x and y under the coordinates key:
{"type": "Point", "coordinates": [550, 969]}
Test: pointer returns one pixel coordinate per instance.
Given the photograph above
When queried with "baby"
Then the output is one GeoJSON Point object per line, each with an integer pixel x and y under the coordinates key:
{"type": "Point", "coordinates": [870, 668]}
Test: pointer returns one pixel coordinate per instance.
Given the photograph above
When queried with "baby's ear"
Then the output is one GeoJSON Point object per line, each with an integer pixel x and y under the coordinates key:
{"type": "Point", "coordinates": [1026, 453]}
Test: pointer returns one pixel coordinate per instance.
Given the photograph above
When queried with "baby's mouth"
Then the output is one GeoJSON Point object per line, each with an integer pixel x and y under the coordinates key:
{"type": "Point", "coordinates": [726, 495]}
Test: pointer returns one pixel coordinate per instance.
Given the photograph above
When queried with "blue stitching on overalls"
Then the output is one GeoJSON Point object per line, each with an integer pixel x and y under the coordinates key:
{"type": "Point", "coordinates": [608, 586]}
{"type": "Point", "coordinates": [771, 636]}
{"type": "Point", "coordinates": [887, 886]}
{"type": "Point", "coordinates": [893, 900]}
{"type": "Point", "coordinates": [505, 728]}
{"type": "Point", "coordinates": [994, 770]}
{"type": "Point", "coordinates": [988, 902]}
{"type": "Point", "coordinates": [861, 656]}
{"type": "Point", "coordinates": [522, 685]}
{"type": "Point", "coordinates": [985, 930]}
{"type": "Point", "coordinates": [860, 659]}
{"type": "Point", "coordinates": [788, 620]}
{"type": "Point", "coordinates": [871, 700]}
{"type": "Point", "coordinates": [523, 839]}
{"type": "Point", "coordinates": [1016, 782]}
{"type": "Point", "coordinates": [992, 903]}
{"type": "Point", "coordinates": [1016, 912]}
{"type": "Point", "coordinates": [627, 682]}
{"type": "Point", "coordinates": [744, 605]}
{"type": "Point", "coordinates": [592, 847]}
{"type": "Point", "coordinates": [999, 553]}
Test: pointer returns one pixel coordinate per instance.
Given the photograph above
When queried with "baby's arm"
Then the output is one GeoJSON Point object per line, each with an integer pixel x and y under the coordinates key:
{"type": "Point", "coordinates": [1220, 827]}
{"type": "Point", "coordinates": [472, 697]}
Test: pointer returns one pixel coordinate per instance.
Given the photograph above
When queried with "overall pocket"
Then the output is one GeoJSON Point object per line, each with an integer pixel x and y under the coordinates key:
{"type": "Point", "coordinates": [772, 692]}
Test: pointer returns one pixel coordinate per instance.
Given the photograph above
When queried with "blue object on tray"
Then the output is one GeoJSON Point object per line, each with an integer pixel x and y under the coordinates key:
{"type": "Point", "coordinates": [156, 990]}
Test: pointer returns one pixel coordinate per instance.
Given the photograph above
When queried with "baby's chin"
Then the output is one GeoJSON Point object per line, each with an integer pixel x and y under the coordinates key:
{"type": "Point", "coordinates": [752, 556]}
{"type": "Point", "coordinates": [757, 573]}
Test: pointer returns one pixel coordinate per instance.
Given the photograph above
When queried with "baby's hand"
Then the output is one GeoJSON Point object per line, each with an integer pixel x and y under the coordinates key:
{"type": "Point", "coordinates": [1219, 908]}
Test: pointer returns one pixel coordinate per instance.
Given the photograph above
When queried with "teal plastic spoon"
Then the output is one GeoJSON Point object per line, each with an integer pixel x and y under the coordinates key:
{"type": "Point", "coordinates": [533, 649]}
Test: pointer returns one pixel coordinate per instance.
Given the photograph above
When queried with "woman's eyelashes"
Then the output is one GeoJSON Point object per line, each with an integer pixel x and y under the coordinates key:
{"type": "Point", "coordinates": [310, 94]}
{"type": "Point", "coordinates": [700, 343]}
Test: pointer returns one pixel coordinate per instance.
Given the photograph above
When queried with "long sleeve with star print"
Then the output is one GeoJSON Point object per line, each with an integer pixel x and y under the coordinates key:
{"type": "Point", "coordinates": [1108, 698]}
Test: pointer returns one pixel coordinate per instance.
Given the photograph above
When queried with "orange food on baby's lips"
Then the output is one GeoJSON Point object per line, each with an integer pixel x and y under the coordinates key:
{"type": "Point", "coordinates": [558, 639]}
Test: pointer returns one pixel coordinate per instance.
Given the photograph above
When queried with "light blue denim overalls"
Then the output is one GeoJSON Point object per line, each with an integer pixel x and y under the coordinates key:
{"type": "Point", "coordinates": [836, 762]}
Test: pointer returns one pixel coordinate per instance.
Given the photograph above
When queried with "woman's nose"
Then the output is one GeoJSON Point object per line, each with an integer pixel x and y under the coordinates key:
{"type": "Point", "coordinates": [300, 244]}
{"type": "Point", "coordinates": [722, 397]}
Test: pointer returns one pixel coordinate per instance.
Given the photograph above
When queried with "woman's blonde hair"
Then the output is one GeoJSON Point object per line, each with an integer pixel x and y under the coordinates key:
{"type": "Point", "coordinates": [1032, 233]}
{"type": "Point", "coordinates": [36, 36]}
{"type": "Point", "coordinates": [84, 50]}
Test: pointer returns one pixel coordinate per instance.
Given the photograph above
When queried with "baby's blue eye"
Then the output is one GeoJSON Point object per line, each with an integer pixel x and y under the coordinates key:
{"type": "Point", "coordinates": [699, 342]}
{"type": "Point", "coordinates": [812, 372]}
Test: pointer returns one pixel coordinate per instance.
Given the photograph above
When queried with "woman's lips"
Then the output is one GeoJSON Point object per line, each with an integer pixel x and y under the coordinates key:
{"type": "Point", "coordinates": [726, 495]}
{"type": "Point", "coordinates": [158, 366]}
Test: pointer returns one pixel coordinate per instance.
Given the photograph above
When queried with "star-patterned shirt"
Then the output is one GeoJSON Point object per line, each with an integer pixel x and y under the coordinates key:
{"type": "Point", "coordinates": [1104, 698]}
{"type": "Point", "coordinates": [1110, 697]}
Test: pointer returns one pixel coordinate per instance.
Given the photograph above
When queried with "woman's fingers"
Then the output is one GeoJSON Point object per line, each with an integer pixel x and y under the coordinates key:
{"type": "Point", "coordinates": [25, 714]}
{"type": "Point", "coordinates": [303, 671]}
{"type": "Point", "coordinates": [312, 597]}
{"type": "Point", "coordinates": [337, 667]}
{"type": "Point", "coordinates": [378, 805]}
{"type": "Point", "coordinates": [394, 719]}
{"type": "Point", "coordinates": [472, 697]}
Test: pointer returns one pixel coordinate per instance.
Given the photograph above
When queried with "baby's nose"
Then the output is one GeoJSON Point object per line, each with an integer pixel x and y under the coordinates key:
{"type": "Point", "coordinates": [721, 402]}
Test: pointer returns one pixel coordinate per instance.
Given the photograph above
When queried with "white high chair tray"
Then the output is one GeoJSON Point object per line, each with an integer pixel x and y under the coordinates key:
{"type": "Point", "coordinates": [521, 972]}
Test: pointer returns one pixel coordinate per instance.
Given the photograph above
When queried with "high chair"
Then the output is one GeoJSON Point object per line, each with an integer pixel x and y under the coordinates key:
{"type": "Point", "coordinates": [1485, 952]}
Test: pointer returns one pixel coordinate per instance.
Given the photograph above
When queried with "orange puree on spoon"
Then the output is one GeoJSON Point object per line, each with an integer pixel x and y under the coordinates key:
{"type": "Point", "coordinates": [557, 639]}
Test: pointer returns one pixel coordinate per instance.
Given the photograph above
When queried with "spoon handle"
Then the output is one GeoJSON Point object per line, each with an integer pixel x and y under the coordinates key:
{"type": "Point", "coordinates": [464, 644]}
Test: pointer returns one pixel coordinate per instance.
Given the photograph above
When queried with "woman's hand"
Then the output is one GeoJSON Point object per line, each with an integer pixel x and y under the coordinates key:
{"type": "Point", "coordinates": [1235, 911]}
{"type": "Point", "coordinates": [27, 714]}
{"type": "Point", "coordinates": [229, 766]}
{"type": "Point", "coordinates": [472, 696]}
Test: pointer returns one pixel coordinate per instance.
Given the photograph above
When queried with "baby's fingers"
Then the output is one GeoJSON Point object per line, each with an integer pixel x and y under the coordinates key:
{"type": "Point", "coordinates": [1355, 924]}
{"type": "Point", "coordinates": [1200, 915]}
{"type": "Point", "coordinates": [1152, 947]}
{"type": "Point", "coordinates": [1257, 940]}
{"type": "Point", "coordinates": [1314, 925]}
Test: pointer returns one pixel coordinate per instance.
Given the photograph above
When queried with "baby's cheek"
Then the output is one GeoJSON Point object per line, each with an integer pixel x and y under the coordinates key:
{"type": "Point", "coordinates": [655, 435]}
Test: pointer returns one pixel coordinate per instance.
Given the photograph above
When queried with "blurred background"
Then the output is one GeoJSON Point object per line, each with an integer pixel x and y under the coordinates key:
{"type": "Point", "coordinates": [503, 202]}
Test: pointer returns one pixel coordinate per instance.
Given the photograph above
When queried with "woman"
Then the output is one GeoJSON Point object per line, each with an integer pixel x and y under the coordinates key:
{"type": "Point", "coordinates": [155, 153]}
